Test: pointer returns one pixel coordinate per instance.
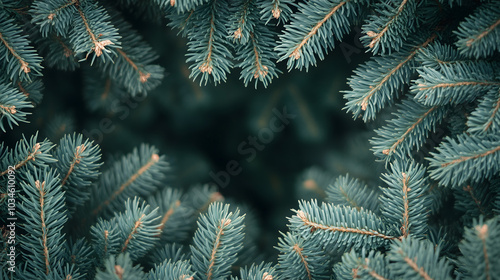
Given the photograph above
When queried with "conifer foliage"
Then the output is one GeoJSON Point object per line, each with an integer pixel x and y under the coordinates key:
{"type": "Point", "coordinates": [434, 65]}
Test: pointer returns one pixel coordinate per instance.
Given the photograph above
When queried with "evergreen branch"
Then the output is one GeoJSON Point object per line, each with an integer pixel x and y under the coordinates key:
{"type": "Point", "coordinates": [413, 258]}
{"type": "Point", "coordinates": [105, 239]}
{"type": "Point", "coordinates": [372, 265]}
{"type": "Point", "coordinates": [470, 191]}
{"type": "Point", "coordinates": [485, 119]}
{"type": "Point", "coordinates": [32, 90]}
{"type": "Point", "coordinates": [309, 32]}
{"type": "Point", "coordinates": [262, 271]}
{"type": "Point", "coordinates": [43, 217]}
{"type": "Point", "coordinates": [276, 9]}
{"type": "Point", "coordinates": [217, 241]}
{"type": "Point", "coordinates": [21, 59]}
{"type": "Point", "coordinates": [301, 259]}
{"type": "Point", "coordinates": [31, 156]}
{"type": "Point", "coordinates": [378, 81]}
{"type": "Point", "coordinates": [406, 200]}
{"type": "Point", "coordinates": [120, 267]}
{"type": "Point", "coordinates": [376, 38]}
{"type": "Point", "coordinates": [180, 6]}
{"type": "Point", "coordinates": [53, 16]}
{"type": "Point", "coordinates": [352, 192]}
{"type": "Point", "coordinates": [27, 154]}
{"type": "Point", "coordinates": [455, 83]}
{"type": "Point", "coordinates": [437, 54]}
{"type": "Point", "coordinates": [207, 46]}
{"type": "Point", "coordinates": [475, 200]}
{"type": "Point", "coordinates": [93, 20]}
{"type": "Point", "coordinates": [24, 65]}
{"type": "Point", "coordinates": [297, 51]}
{"type": "Point", "coordinates": [392, 22]}
{"type": "Point", "coordinates": [133, 68]}
{"type": "Point", "coordinates": [12, 106]}
{"type": "Point", "coordinates": [170, 251]}
{"type": "Point", "coordinates": [453, 161]}
{"type": "Point", "coordinates": [298, 250]}
{"type": "Point", "coordinates": [154, 159]}
{"type": "Point", "coordinates": [408, 131]}
{"type": "Point", "coordinates": [182, 21]}
{"type": "Point", "coordinates": [176, 216]}
{"type": "Point", "coordinates": [465, 158]}
{"type": "Point", "coordinates": [415, 267]}
{"type": "Point", "coordinates": [329, 224]}
{"type": "Point", "coordinates": [137, 228]}
{"type": "Point", "coordinates": [139, 173]}
{"type": "Point", "coordinates": [243, 20]}
{"type": "Point", "coordinates": [257, 57]}
{"type": "Point", "coordinates": [479, 249]}
{"type": "Point", "coordinates": [479, 33]}
{"type": "Point", "coordinates": [176, 270]}
{"type": "Point", "coordinates": [80, 255]}
{"type": "Point", "coordinates": [79, 169]}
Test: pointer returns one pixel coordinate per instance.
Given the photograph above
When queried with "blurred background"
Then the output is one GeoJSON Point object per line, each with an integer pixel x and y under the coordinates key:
{"type": "Point", "coordinates": [202, 129]}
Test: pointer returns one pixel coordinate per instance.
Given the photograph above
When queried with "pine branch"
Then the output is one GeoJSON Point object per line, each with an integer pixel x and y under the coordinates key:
{"type": "Point", "coordinates": [309, 33]}
{"type": "Point", "coordinates": [480, 252]}
{"type": "Point", "coordinates": [408, 130]}
{"type": "Point", "coordinates": [175, 214]}
{"type": "Point", "coordinates": [379, 81]}
{"type": "Point", "coordinates": [78, 164]}
{"type": "Point", "coordinates": [178, 270]}
{"type": "Point", "coordinates": [354, 193]}
{"type": "Point", "coordinates": [170, 251]}
{"type": "Point", "coordinates": [58, 52]}
{"type": "Point", "coordinates": [32, 90]}
{"type": "Point", "coordinates": [54, 16]}
{"type": "Point", "coordinates": [256, 57]}
{"type": "Point", "coordinates": [43, 214]}
{"type": "Point", "coordinates": [27, 154]}
{"type": "Point", "coordinates": [485, 119]}
{"type": "Point", "coordinates": [301, 259]}
{"type": "Point", "coordinates": [262, 271]}
{"type": "Point", "coordinates": [138, 228]}
{"type": "Point", "coordinates": [328, 224]}
{"type": "Point", "coordinates": [133, 68]}
{"type": "Point", "coordinates": [454, 84]}
{"type": "Point", "coordinates": [120, 267]}
{"type": "Point", "coordinates": [465, 159]}
{"type": "Point", "coordinates": [216, 242]}
{"type": "Point", "coordinates": [372, 265]}
{"type": "Point", "coordinates": [405, 202]}
{"type": "Point", "coordinates": [105, 239]}
{"type": "Point", "coordinates": [207, 50]}
{"type": "Point", "coordinates": [479, 33]}
{"type": "Point", "coordinates": [93, 33]}
{"type": "Point", "coordinates": [475, 200]}
{"type": "Point", "coordinates": [22, 61]}
{"type": "Point", "coordinates": [12, 106]}
{"type": "Point", "coordinates": [80, 255]}
{"type": "Point", "coordinates": [280, 10]}
{"type": "Point", "coordinates": [417, 259]}
{"type": "Point", "coordinates": [138, 173]}
{"type": "Point", "coordinates": [392, 22]}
